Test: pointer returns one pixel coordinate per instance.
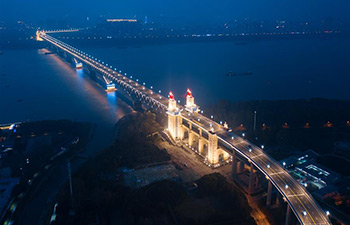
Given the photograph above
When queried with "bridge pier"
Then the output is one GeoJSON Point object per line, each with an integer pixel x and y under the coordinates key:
{"type": "Point", "coordinates": [240, 166]}
{"type": "Point", "coordinates": [251, 179]}
{"type": "Point", "coordinates": [201, 144]}
{"type": "Point", "coordinates": [234, 164]}
{"type": "Point", "coordinates": [288, 215]}
{"type": "Point", "coordinates": [269, 193]}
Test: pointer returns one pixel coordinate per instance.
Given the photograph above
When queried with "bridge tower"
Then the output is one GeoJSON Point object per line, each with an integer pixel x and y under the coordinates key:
{"type": "Point", "coordinates": [174, 118]}
{"type": "Point", "coordinates": [190, 105]}
{"type": "Point", "coordinates": [213, 153]}
{"type": "Point", "coordinates": [37, 36]}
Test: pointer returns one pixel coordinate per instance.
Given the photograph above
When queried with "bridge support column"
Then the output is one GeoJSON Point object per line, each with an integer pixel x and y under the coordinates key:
{"type": "Point", "coordinates": [251, 179]}
{"type": "Point", "coordinates": [288, 215]}
{"type": "Point", "coordinates": [201, 144]}
{"type": "Point", "coordinates": [190, 138]}
{"type": "Point", "coordinates": [213, 148]}
{"type": "Point", "coordinates": [278, 201]}
{"type": "Point", "coordinates": [240, 166]}
{"type": "Point", "coordinates": [234, 164]}
{"type": "Point", "coordinates": [269, 193]}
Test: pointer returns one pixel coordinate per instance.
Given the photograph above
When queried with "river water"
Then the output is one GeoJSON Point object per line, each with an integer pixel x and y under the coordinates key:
{"type": "Point", "coordinates": [35, 86]}
{"type": "Point", "coordinates": [281, 69]}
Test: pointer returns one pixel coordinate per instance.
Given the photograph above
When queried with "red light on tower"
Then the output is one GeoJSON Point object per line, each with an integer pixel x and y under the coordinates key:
{"type": "Point", "coordinates": [171, 96]}
{"type": "Point", "coordinates": [189, 92]}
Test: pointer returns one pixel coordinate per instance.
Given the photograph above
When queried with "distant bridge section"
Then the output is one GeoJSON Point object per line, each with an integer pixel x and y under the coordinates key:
{"type": "Point", "coordinates": [63, 30]}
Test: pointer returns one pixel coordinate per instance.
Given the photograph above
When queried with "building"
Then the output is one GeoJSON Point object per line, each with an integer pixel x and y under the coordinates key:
{"type": "Point", "coordinates": [307, 171]}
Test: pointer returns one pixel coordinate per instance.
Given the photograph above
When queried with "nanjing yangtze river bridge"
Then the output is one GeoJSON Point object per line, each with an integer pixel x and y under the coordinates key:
{"type": "Point", "coordinates": [186, 124]}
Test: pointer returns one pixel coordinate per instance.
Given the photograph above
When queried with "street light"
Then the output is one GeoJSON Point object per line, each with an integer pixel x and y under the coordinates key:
{"type": "Point", "coordinates": [328, 213]}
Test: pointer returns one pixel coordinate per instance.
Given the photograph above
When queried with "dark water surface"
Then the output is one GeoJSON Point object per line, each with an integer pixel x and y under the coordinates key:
{"type": "Point", "coordinates": [281, 69]}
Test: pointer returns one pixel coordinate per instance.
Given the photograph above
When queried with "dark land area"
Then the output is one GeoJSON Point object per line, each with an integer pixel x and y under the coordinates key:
{"type": "Point", "coordinates": [30, 151]}
{"type": "Point", "coordinates": [286, 127]}
{"type": "Point", "coordinates": [99, 195]}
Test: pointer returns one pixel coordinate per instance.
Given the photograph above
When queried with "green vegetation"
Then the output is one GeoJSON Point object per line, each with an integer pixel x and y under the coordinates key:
{"type": "Point", "coordinates": [100, 194]}
{"type": "Point", "coordinates": [216, 201]}
{"type": "Point", "coordinates": [134, 144]}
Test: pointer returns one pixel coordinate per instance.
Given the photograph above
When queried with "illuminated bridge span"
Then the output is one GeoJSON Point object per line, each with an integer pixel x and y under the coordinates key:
{"type": "Point", "coordinates": [63, 30]}
{"type": "Point", "coordinates": [187, 126]}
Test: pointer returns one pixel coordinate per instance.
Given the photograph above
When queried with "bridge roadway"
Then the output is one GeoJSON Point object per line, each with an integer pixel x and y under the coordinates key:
{"type": "Point", "coordinates": [301, 202]}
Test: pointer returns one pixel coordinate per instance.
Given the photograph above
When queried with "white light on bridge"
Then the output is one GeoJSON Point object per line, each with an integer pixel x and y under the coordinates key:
{"type": "Point", "coordinates": [284, 163]}
{"type": "Point", "coordinates": [262, 146]}
{"type": "Point", "coordinates": [137, 80]}
{"type": "Point", "coordinates": [131, 77]}
{"type": "Point", "coordinates": [304, 213]}
{"type": "Point", "coordinates": [211, 117]}
{"type": "Point", "coordinates": [243, 134]}
{"type": "Point", "coordinates": [286, 186]}
{"type": "Point", "coordinates": [178, 101]}
{"type": "Point", "coordinates": [144, 83]}
{"type": "Point", "coordinates": [199, 119]}
{"type": "Point", "coordinates": [151, 87]}
{"type": "Point", "coordinates": [160, 91]}
{"type": "Point", "coordinates": [268, 165]}
{"type": "Point", "coordinates": [328, 213]}
{"type": "Point", "coordinates": [305, 185]}
{"type": "Point", "coordinates": [232, 137]}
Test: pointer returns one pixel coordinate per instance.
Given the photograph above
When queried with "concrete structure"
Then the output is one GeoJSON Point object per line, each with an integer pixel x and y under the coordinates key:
{"type": "Point", "coordinates": [197, 131]}
{"type": "Point", "coordinates": [184, 130]}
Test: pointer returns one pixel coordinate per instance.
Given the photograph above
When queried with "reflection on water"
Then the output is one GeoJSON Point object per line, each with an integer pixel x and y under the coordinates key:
{"type": "Point", "coordinates": [112, 100]}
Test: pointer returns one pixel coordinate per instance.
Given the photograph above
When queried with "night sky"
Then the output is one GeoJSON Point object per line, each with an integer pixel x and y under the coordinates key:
{"type": "Point", "coordinates": [179, 11]}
